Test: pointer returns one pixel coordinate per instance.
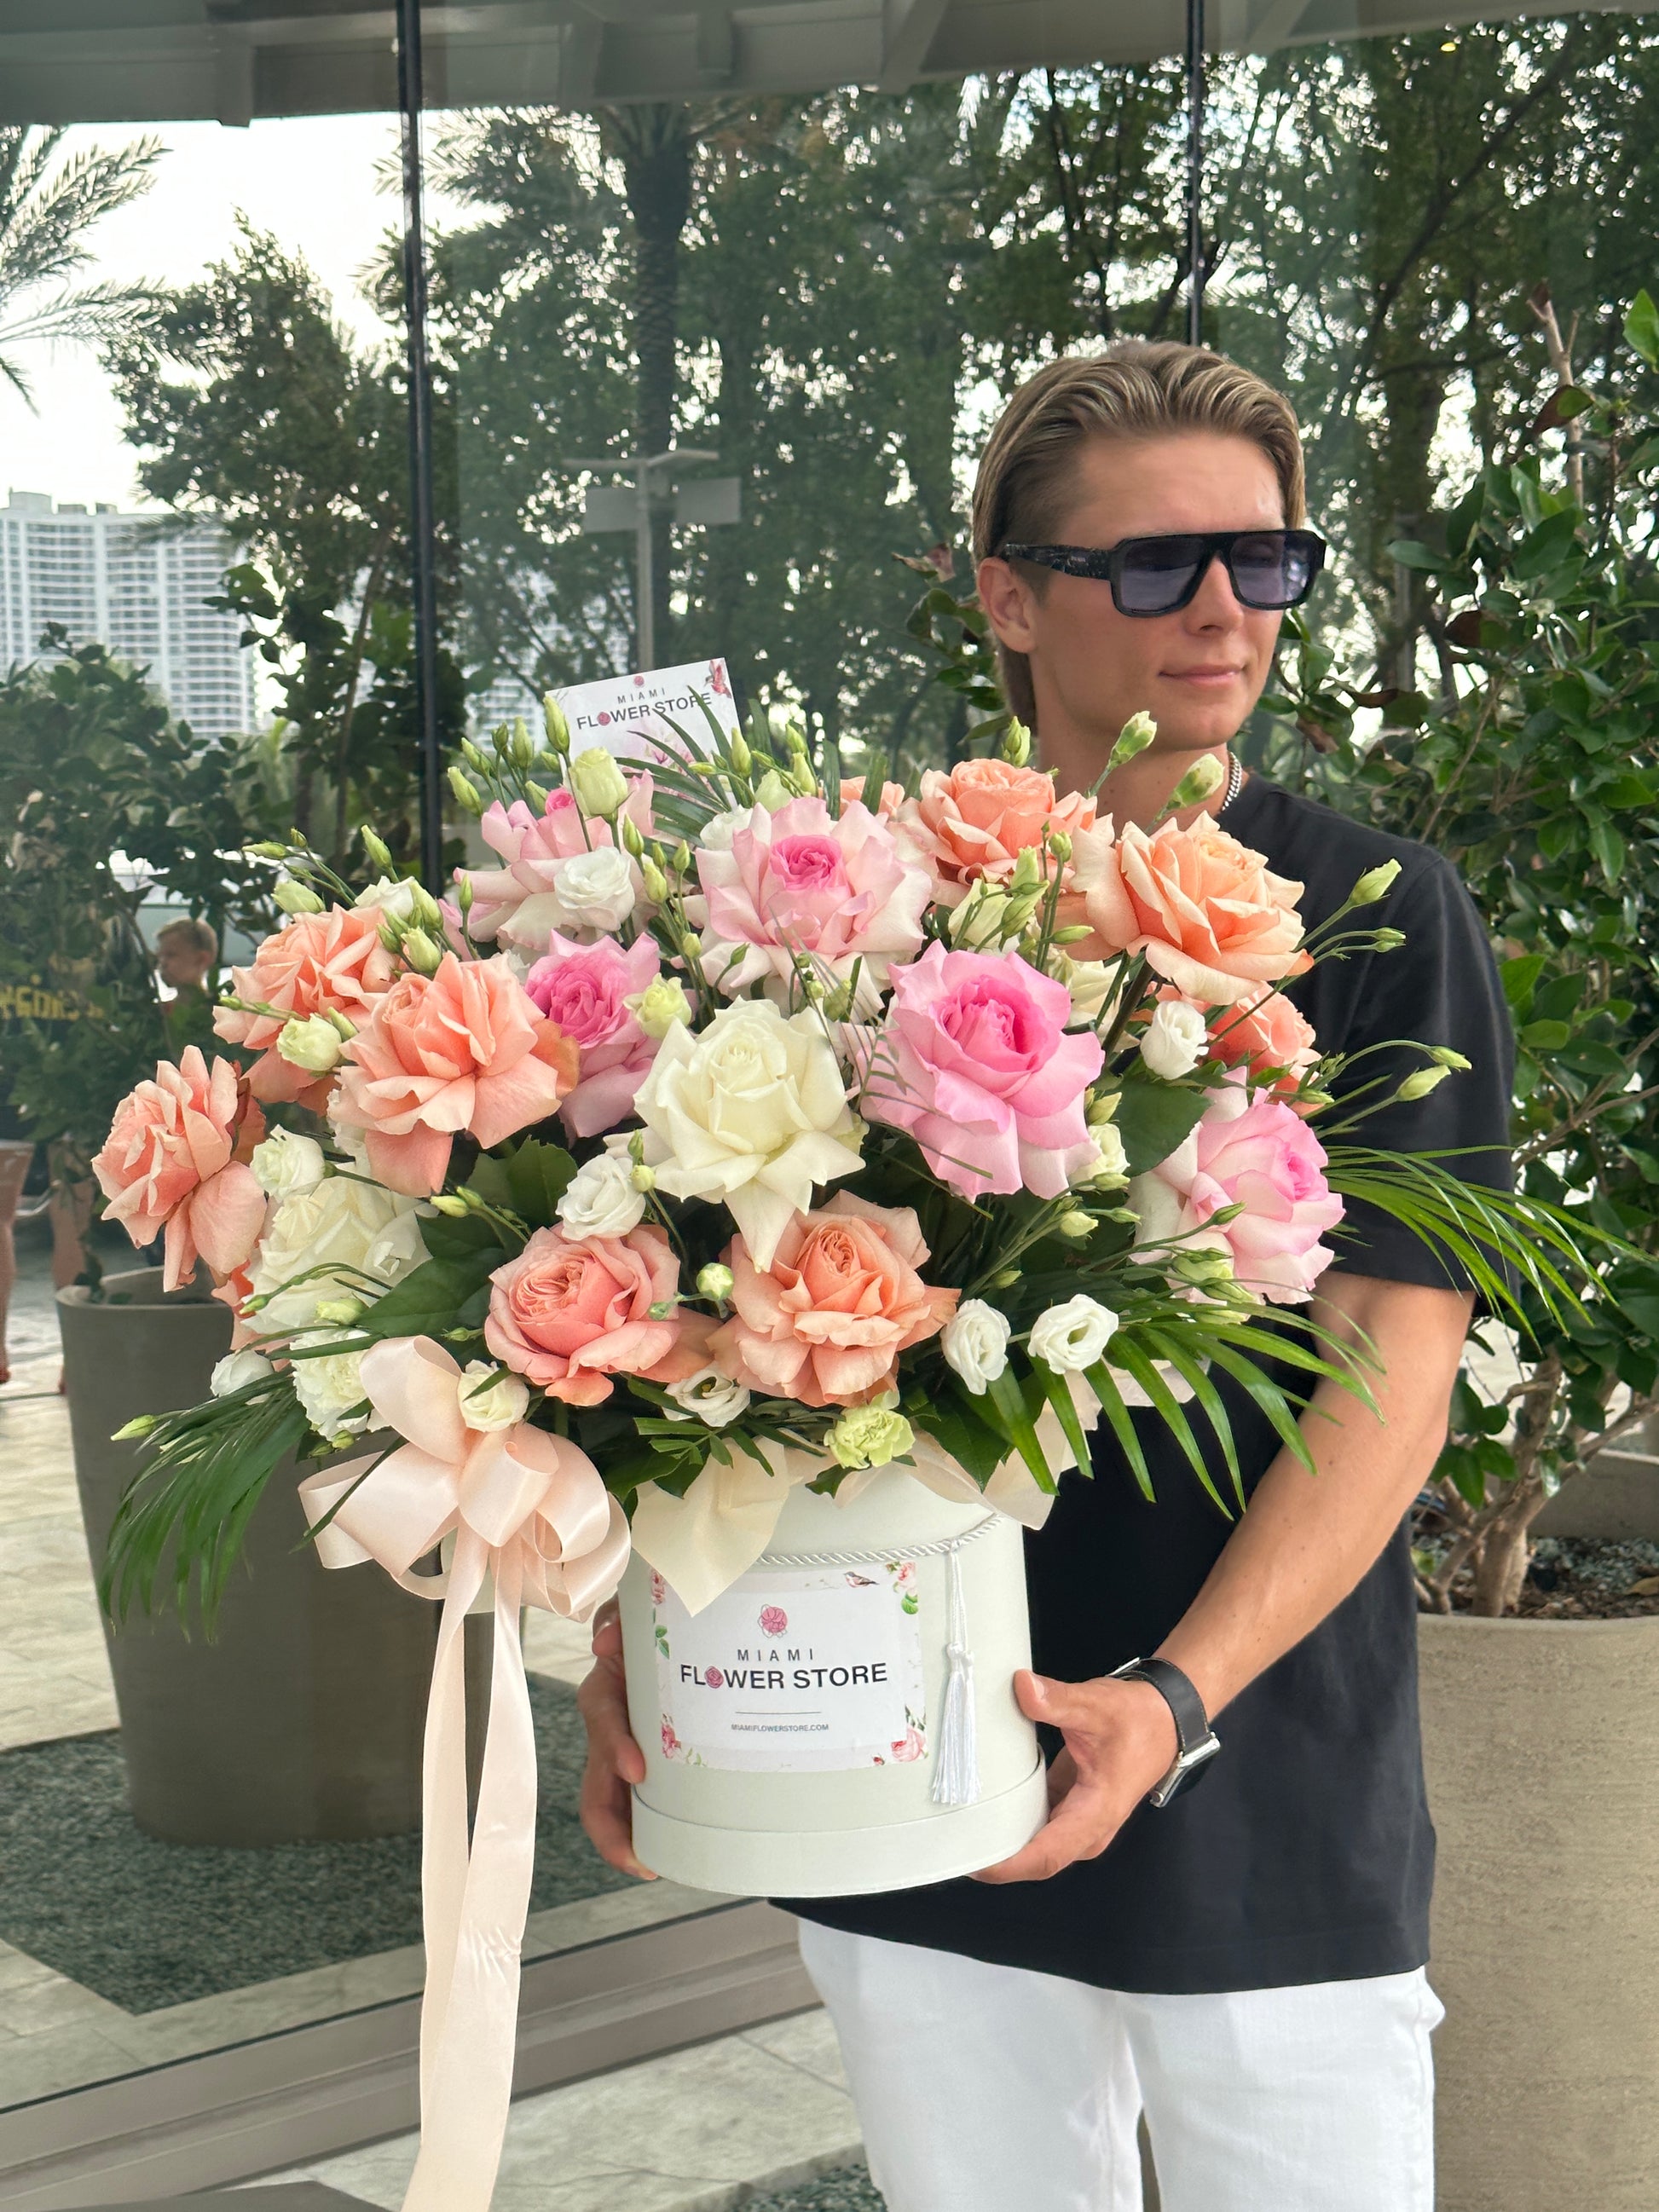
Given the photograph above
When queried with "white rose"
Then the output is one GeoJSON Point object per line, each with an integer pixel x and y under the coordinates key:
{"type": "Point", "coordinates": [1072, 1337]}
{"type": "Point", "coordinates": [753, 1111]}
{"type": "Point", "coordinates": [314, 1043]}
{"type": "Point", "coordinates": [714, 1398]}
{"type": "Point", "coordinates": [1177, 1039]}
{"type": "Point", "coordinates": [393, 896]}
{"type": "Point", "coordinates": [1110, 1164]}
{"type": "Point", "coordinates": [491, 1398]}
{"type": "Point", "coordinates": [1089, 983]}
{"type": "Point", "coordinates": [286, 1163]}
{"type": "Point", "coordinates": [600, 1199]}
{"type": "Point", "coordinates": [345, 1231]}
{"type": "Point", "coordinates": [596, 890]}
{"type": "Point", "coordinates": [330, 1388]}
{"type": "Point", "coordinates": [717, 833]}
{"type": "Point", "coordinates": [236, 1371]}
{"type": "Point", "coordinates": [974, 1342]}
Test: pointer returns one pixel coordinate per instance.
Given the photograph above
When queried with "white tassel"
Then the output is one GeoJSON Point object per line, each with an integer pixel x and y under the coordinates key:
{"type": "Point", "coordinates": [956, 1767]}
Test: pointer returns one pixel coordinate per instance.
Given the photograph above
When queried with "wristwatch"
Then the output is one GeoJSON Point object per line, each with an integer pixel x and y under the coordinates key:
{"type": "Point", "coordinates": [1196, 1742]}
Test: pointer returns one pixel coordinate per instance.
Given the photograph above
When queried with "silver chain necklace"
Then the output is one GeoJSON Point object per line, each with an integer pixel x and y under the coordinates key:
{"type": "Point", "coordinates": [1235, 782]}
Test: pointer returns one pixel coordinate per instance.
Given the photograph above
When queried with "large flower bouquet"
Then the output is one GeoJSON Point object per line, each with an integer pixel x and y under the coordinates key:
{"type": "Point", "coordinates": [741, 1110]}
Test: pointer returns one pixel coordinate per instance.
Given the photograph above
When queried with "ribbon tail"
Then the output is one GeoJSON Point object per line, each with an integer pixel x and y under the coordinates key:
{"type": "Point", "coordinates": [467, 2074]}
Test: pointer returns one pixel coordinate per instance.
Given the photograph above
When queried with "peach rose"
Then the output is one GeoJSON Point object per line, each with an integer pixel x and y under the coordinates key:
{"type": "Point", "coordinates": [852, 794]}
{"type": "Point", "coordinates": [1268, 1033]}
{"type": "Point", "coordinates": [169, 1165]}
{"type": "Point", "coordinates": [1208, 913]}
{"type": "Point", "coordinates": [319, 963]}
{"type": "Point", "coordinates": [463, 1048]}
{"type": "Point", "coordinates": [826, 1322]}
{"type": "Point", "coordinates": [976, 821]}
{"type": "Point", "coordinates": [572, 1311]}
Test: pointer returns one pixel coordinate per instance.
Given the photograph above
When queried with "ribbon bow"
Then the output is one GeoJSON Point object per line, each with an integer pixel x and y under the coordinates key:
{"type": "Point", "coordinates": [530, 1510]}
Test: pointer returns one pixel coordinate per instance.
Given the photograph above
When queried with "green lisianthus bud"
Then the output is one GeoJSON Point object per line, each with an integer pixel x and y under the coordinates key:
{"type": "Point", "coordinates": [1005, 1278]}
{"type": "Point", "coordinates": [295, 897]}
{"type": "Point", "coordinates": [501, 737]}
{"type": "Point", "coordinates": [269, 849]}
{"type": "Point", "coordinates": [715, 1282]}
{"type": "Point", "coordinates": [598, 782]}
{"type": "Point", "coordinates": [538, 794]}
{"type": "Point", "coordinates": [343, 1022]}
{"type": "Point", "coordinates": [738, 752]}
{"type": "Point", "coordinates": [443, 1202]}
{"type": "Point", "coordinates": [524, 746]}
{"type": "Point", "coordinates": [1016, 746]}
{"type": "Point", "coordinates": [377, 851]}
{"type": "Point", "coordinates": [423, 953]}
{"type": "Point", "coordinates": [340, 1311]}
{"type": "Point", "coordinates": [1388, 940]}
{"type": "Point", "coordinates": [463, 892]}
{"type": "Point", "coordinates": [553, 721]}
{"type": "Point", "coordinates": [1448, 1058]}
{"type": "Point", "coordinates": [772, 792]}
{"type": "Point", "coordinates": [1133, 738]}
{"type": "Point", "coordinates": [656, 883]}
{"type": "Point", "coordinates": [467, 797]}
{"type": "Point", "coordinates": [1075, 1223]}
{"type": "Point", "coordinates": [869, 1436]}
{"type": "Point", "coordinates": [682, 859]}
{"type": "Point", "coordinates": [1374, 884]}
{"type": "Point", "coordinates": [1028, 871]}
{"type": "Point", "coordinates": [632, 843]}
{"type": "Point", "coordinates": [1061, 846]}
{"type": "Point", "coordinates": [643, 1178]}
{"type": "Point", "coordinates": [135, 1430]}
{"type": "Point", "coordinates": [1072, 934]}
{"type": "Point", "coordinates": [1419, 1084]}
{"type": "Point", "coordinates": [480, 763]}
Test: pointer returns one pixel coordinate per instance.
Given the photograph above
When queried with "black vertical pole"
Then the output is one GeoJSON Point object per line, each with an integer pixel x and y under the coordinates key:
{"type": "Point", "coordinates": [1194, 172]}
{"type": "Point", "coordinates": [423, 549]}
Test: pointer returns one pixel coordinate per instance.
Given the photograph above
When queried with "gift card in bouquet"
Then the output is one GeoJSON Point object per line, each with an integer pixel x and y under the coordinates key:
{"type": "Point", "coordinates": [632, 716]}
{"type": "Point", "coordinates": [794, 1671]}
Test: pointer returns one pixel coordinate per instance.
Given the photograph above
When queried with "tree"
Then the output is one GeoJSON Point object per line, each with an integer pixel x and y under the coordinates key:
{"type": "Point", "coordinates": [46, 209]}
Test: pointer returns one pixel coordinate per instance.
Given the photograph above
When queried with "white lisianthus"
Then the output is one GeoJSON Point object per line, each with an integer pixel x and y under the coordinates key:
{"type": "Point", "coordinates": [753, 1111]}
{"type": "Point", "coordinates": [1177, 1039]}
{"type": "Point", "coordinates": [714, 1398]}
{"type": "Point", "coordinates": [285, 1162]}
{"type": "Point", "coordinates": [345, 1231]}
{"type": "Point", "coordinates": [1071, 1337]}
{"type": "Point", "coordinates": [392, 895]}
{"type": "Point", "coordinates": [1089, 983]}
{"type": "Point", "coordinates": [1110, 1164]}
{"type": "Point", "coordinates": [491, 1397]}
{"type": "Point", "coordinates": [600, 1199]}
{"type": "Point", "coordinates": [974, 1342]}
{"type": "Point", "coordinates": [236, 1371]}
{"type": "Point", "coordinates": [312, 1043]}
{"type": "Point", "coordinates": [717, 833]}
{"type": "Point", "coordinates": [595, 891]}
{"type": "Point", "coordinates": [330, 1388]}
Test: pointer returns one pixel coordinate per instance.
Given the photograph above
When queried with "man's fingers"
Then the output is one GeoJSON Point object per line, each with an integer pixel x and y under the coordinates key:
{"type": "Point", "coordinates": [607, 1809]}
{"type": "Point", "coordinates": [607, 1631]}
{"type": "Point", "coordinates": [1061, 1704]}
{"type": "Point", "coordinates": [1081, 1828]}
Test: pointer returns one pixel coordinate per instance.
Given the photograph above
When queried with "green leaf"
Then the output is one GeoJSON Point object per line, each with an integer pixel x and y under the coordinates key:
{"type": "Point", "coordinates": [1545, 1036]}
{"type": "Point", "coordinates": [1642, 329]}
{"type": "Point", "coordinates": [1129, 1355]}
{"type": "Point", "coordinates": [1518, 977]}
{"type": "Point", "coordinates": [1608, 847]}
{"type": "Point", "coordinates": [1008, 1399]}
{"type": "Point", "coordinates": [1058, 1391]}
{"type": "Point", "coordinates": [537, 1174]}
{"type": "Point", "coordinates": [1099, 1379]}
{"type": "Point", "coordinates": [1152, 1118]}
{"type": "Point", "coordinates": [433, 1299]}
{"type": "Point", "coordinates": [1168, 1344]}
{"type": "Point", "coordinates": [1411, 554]}
{"type": "Point", "coordinates": [964, 1433]}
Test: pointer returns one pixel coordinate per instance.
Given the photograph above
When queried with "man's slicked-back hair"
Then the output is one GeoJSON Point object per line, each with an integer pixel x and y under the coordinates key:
{"type": "Point", "coordinates": [1138, 388]}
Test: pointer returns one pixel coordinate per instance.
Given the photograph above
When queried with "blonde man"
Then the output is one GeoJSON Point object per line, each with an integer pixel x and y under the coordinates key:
{"type": "Point", "coordinates": [1246, 1965]}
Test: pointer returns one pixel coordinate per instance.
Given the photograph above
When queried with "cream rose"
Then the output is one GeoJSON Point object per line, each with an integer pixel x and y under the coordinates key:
{"type": "Point", "coordinates": [329, 1386]}
{"type": "Point", "coordinates": [286, 1163]}
{"type": "Point", "coordinates": [600, 1199]}
{"type": "Point", "coordinates": [490, 1397]}
{"type": "Point", "coordinates": [1176, 1039]}
{"type": "Point", "coordinates": [595, 891]}
{"type": "Point", "coordinates": [342, 1229]}
{"type": "Point", "coordinates": [236, 1371]}
{"type": "Point", "coordinates": [752, 1111]}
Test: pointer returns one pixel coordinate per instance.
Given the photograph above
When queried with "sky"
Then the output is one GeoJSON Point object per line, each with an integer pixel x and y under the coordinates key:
{"type": "Point", "coordinates": [312, 180]}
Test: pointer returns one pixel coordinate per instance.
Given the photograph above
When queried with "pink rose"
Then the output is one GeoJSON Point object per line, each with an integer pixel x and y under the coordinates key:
{"type": "Point", "coordinates": [572, 1311]}
{"type": "Point", "coordinates": [975, 1061]}
{"type": "Point", "coordinates": [520, 899]}
{"type": "Point", "coordinates": [169, 1163]}
{"type": "Point", "coordinates": [320, 963]}
{"type": "Point", "coordinates": [671, 1742]}
{"type": "Point", "coordinates": [773, 1621]}
{"type": "Point", "coordinates": [582, 989]}
{"type": "Point", "coordinates": [1270, 1033]}
{"type": "Point", "coordinates": [461, 1049]}
{"type": "Point", "coordinates": [975, 823]}
{"type": "Point", "coordinates": [891, 799]}
{"type": "Point", "coordinates": [837, 893]}
{"type": "Point", "coordinates": [1208, 913]}
{"type": "Point", "coordinates": [1256, 1154]}
{"type": "Point", "coordinates": [826, 1322]}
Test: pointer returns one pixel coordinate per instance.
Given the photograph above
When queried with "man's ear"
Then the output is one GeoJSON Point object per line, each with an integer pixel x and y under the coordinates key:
{"type": "Point", "coordinates": [1010, 604]}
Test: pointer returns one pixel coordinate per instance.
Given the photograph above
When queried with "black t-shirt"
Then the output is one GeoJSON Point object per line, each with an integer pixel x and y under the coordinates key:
{"type": "Point", "coordinates": [1303, 1853]}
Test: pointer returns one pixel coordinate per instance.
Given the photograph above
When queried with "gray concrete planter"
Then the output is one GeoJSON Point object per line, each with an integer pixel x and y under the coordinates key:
{"type": "Point", "coordinates": [1542, 1742]}
{"type": "Point", "coordinates": [303, 1719]}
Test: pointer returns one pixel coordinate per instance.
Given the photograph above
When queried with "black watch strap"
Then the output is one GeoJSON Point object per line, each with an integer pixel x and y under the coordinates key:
{"type": "Point", "coordinates": [1196, 1742]}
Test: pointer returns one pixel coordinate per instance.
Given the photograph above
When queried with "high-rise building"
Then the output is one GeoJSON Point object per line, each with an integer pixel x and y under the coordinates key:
{"type": "Point", "coordinates": [138, 584]}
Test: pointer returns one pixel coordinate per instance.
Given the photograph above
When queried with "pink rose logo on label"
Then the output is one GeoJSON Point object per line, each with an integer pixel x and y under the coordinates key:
{"type": "Point", "coordinates": [671, 1742]}
{"type": "Point", "coordinates": [909, 1746]}
{"type": "Point", "coordinates": [658, 1588]}
{"type": "Point", "coordinates": [773, 1621]}
{"type": "Point", "coordinates": [714, 1678]}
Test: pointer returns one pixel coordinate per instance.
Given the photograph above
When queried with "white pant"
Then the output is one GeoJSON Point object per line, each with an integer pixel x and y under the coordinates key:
{"type": "Point", "coordinates": [993, 2089]}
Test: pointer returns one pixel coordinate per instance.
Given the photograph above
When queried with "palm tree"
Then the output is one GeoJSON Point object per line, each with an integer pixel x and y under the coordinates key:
{"type": "Point", "coordinates": [48, 206]}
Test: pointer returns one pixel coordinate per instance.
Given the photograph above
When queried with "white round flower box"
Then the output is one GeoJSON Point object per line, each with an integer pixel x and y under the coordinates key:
{"type": "Point", "coordinates": [792, 1727]}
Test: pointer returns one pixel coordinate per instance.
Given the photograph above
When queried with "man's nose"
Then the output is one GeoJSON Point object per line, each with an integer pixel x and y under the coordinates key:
{"type": "Point", "coordinates": [1214, 604]}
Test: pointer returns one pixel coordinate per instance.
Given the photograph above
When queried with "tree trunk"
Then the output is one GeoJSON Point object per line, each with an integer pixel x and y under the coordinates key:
{"type": "Point", "coordinates": [657, 144]}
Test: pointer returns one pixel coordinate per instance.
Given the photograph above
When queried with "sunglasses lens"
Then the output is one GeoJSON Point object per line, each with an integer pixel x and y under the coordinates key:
{"type": "Point", "coordinates": [1272, 570]}
{"type": "Point", "coordinates": [1157, 573]}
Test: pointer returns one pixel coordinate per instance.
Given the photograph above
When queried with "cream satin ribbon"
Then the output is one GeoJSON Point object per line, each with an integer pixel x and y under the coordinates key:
{"type": "Point", "coordinates": [529, 1509]}
{"type": "Point", "coordinates": [700, 1543]}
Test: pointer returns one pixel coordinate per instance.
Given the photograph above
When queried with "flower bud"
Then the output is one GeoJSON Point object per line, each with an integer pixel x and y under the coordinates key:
{"type": "Point", "coordinates": [632, 843]}
{"type": "Point", "coordinates": [1419, 1084]}
{"type": "Point", "coordinates": [599, 783]}
{"type": "Point", "coordinates": [269, 849]}
{"type": "Point", "coordinates": [1073, 934]}
{"type": "Point", "coordinates": [1388, 940]}
{"type": "Point", "coordinates": [1102, 1109]}
{"type": "Point", "coordinates": [523, 749]}
{"type": "Point", "coordinates": [445, 1203]}
{"type": "Point", "coordinates": [659, 1006]}
{"type": "Point", "coordinates": [423, 952]}
{"type": "Point", "coordinates": [1133, 738]}
{"type": "Point", "coordinates": [553, 721]}
{"type": "Point", "coordinates": [1374, 884]}
{"type": "Point", "coordinates": [691, 945]}
{"type": "Point", "coordinates": [538, 794]}
{"type": "Point", "coordinates": [463, 892]}
{"type": "Point", "coordinates": [491, 1398]}
{"type": "Point", "coordinates": [295, 897]}
{"type": "Point", "coordinates": [342, 1311]}
{"type": "Point", "coordinates": [312, 1043]}
{"type": "Point", "coordinates": [643, 1178]}
{"type": "Point", "coordinates": [1075, 1223]}
{"type": "Point", "coordinates": [1205, 777]}
{"type": "Point", "coordinates": [772, 792]}
{"type": "Point", "coordinates": [663, 1308]}
{"type": "Point", "coordinates": [467, 797]}
{"type": "Point", "coordinates": [133, 1430]}
{"type": "Point", "coordinates": [682, 859]}
{"type": "Point", "coordinates": [1005, 1278]}
{"type": "Point", "coordinates": [479, 763]}
{"type": "Point", "coordinates": [1016, 743]}
{"type": "Point", "coordinates": [1060, 844]}
{"type": "Point", "coordinates": [1448, 1058]}
{"type": "Point", "coordinates": [715, 1282]}
{"type": "Point", "coordinates": [1027, 871]}
{"type": "Point", "coordinates": [738, 752]}
{"type": "Point", "coordinates": [501, 737]}
{"type": "Point", "coordinates": [656, 883]}
{"type": "Point", "coordinates": [377, 852]}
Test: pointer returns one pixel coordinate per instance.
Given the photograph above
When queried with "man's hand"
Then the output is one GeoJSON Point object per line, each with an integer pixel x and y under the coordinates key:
{"type": "Point", "coordinates": [615, 1761]}
{"type": "Point", "coordinates": [1120, 1742]}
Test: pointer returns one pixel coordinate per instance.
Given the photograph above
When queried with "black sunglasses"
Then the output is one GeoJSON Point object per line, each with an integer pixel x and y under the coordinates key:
{"type": "Point", "coordinates": [1270, 569]}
